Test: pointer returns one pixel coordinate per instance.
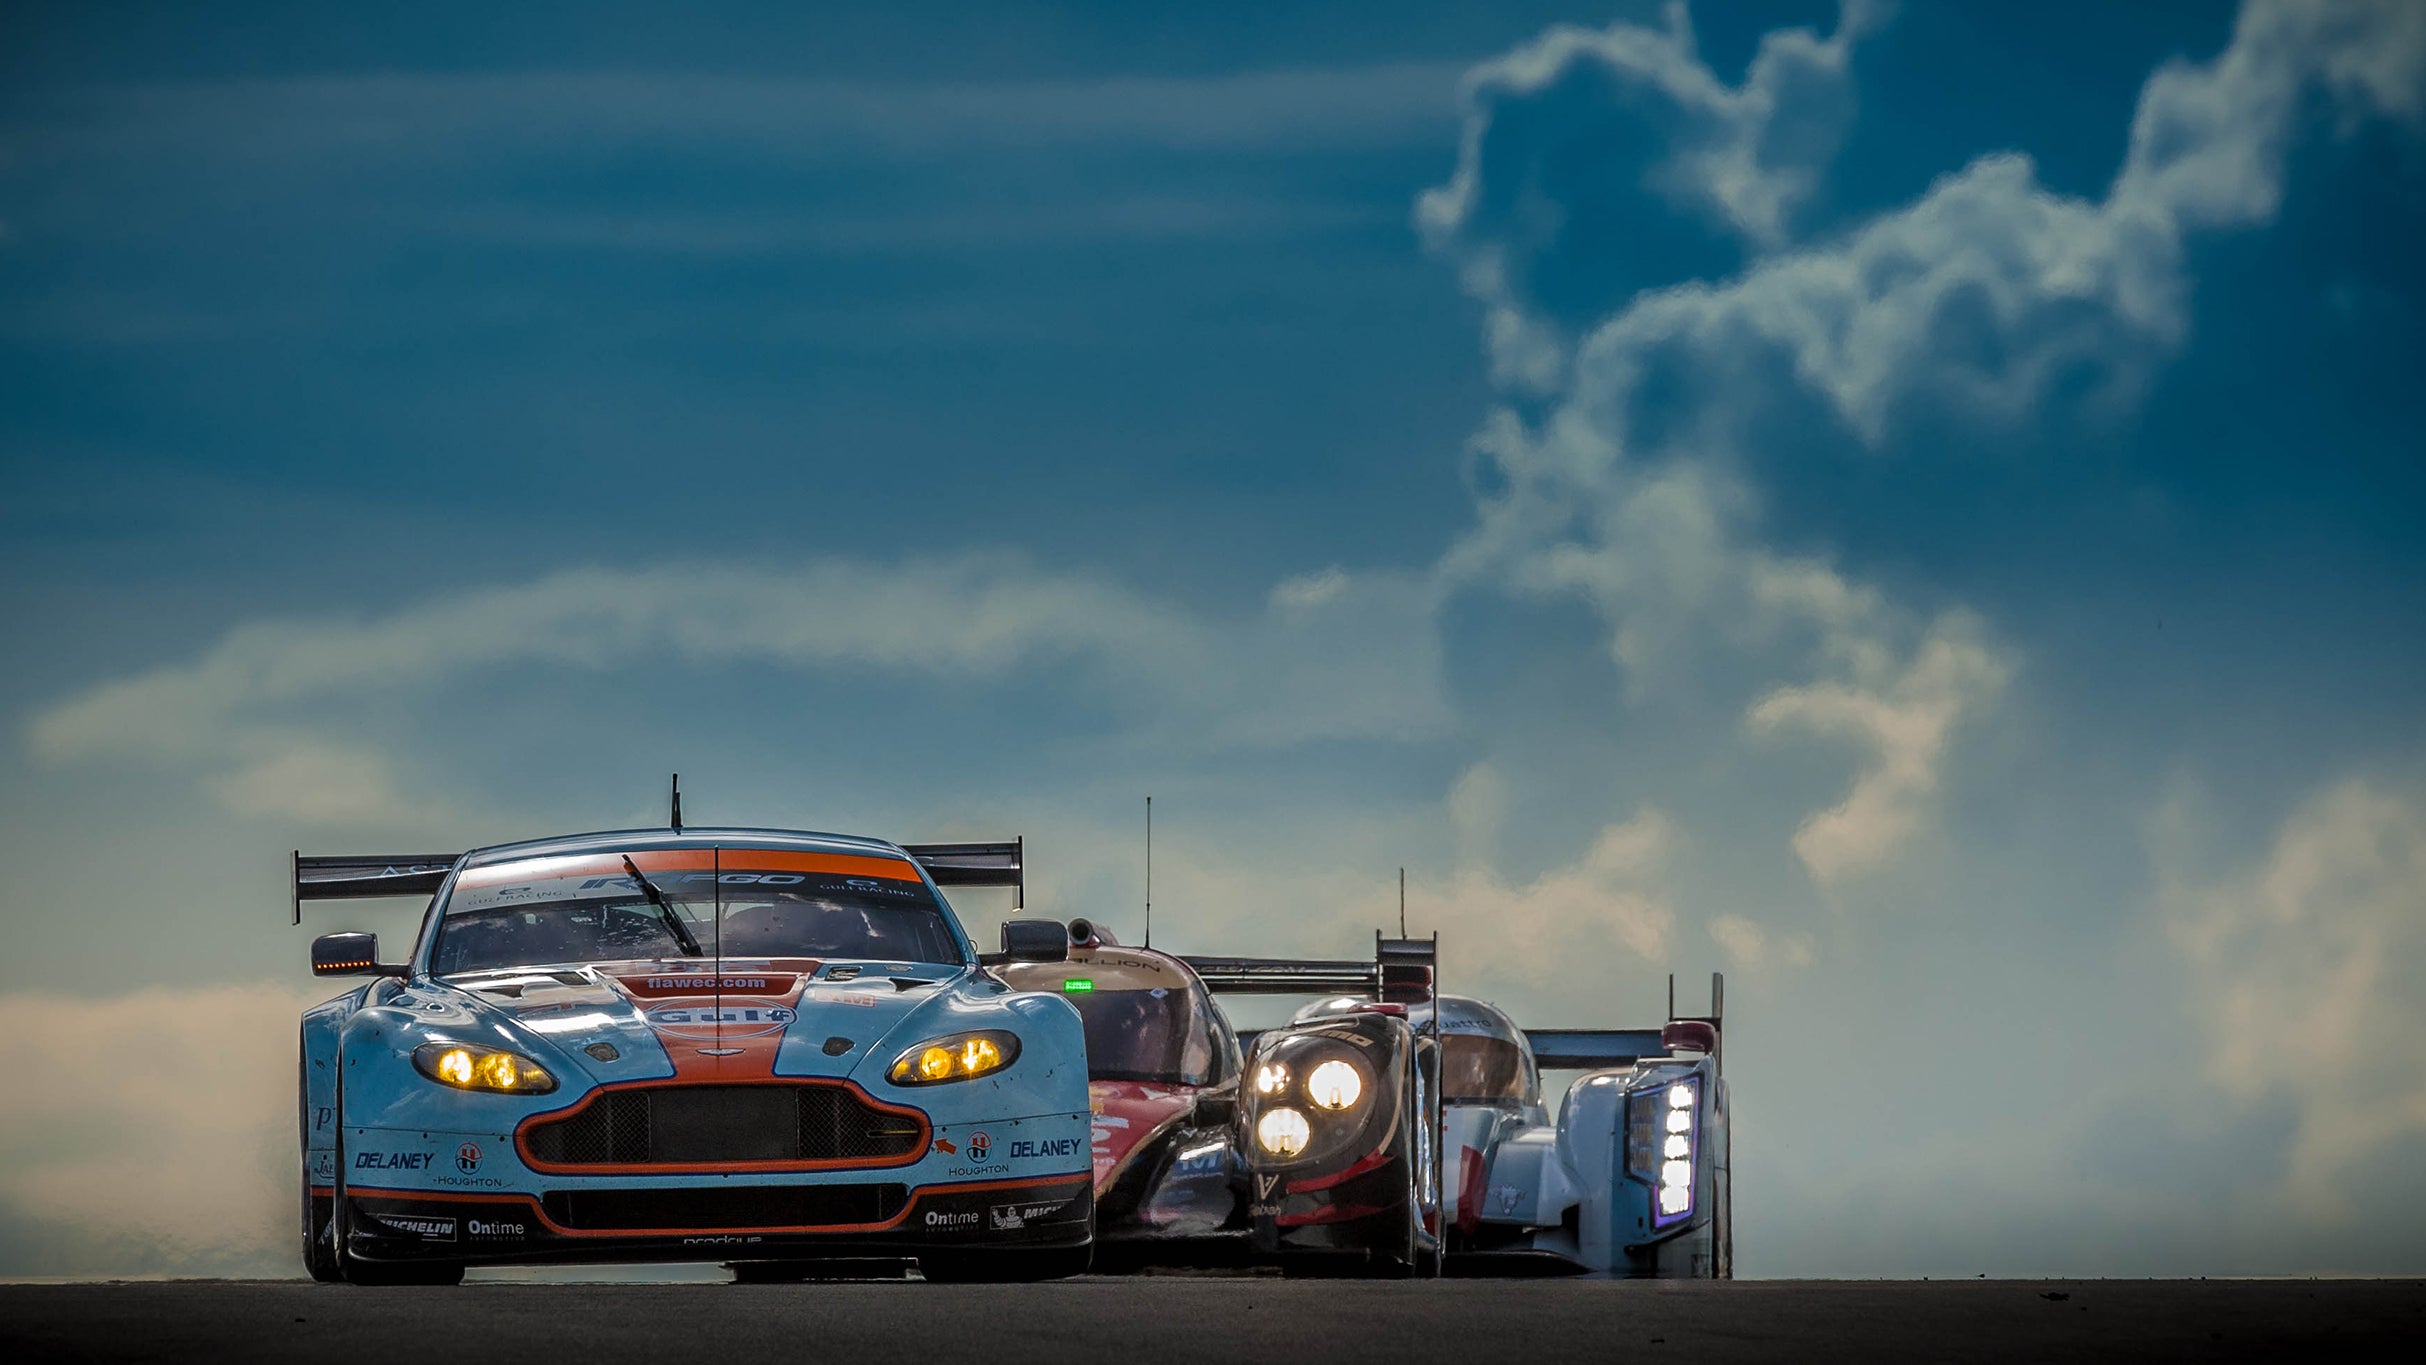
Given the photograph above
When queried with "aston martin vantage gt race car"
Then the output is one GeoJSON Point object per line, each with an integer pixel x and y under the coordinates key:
{"type": "Point", "coordinates": [735, 1045]}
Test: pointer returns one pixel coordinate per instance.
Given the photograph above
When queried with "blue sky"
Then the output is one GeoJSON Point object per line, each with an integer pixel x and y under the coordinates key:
{"type": "Point", "coordinates": [1914, 507]}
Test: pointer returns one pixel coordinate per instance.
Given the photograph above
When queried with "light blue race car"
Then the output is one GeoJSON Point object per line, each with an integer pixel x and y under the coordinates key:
{"type": "Point", "coordinates": [765, 1047]}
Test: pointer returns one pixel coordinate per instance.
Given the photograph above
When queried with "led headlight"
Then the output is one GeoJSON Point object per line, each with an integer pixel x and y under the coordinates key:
{"type": "Point", "coordinates": [1271, 1079]}
{"type": "Point", "coordinates": [467, 1067]}
{"type": "Point", "coordinates": [959, 1057]}
{"type": "Point", "coordinates": [1283, 1132]}
{"type": "Point", "coordinates": [1335, 1085]}
{"type": "Point", "coordinates": [1676, 1165]}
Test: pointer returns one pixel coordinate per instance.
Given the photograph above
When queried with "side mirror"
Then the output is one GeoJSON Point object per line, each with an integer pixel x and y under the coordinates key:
{"type": "Point", "coordinates": [349, 955]}
{"type": "Point", "coordinates": [1035, 940]}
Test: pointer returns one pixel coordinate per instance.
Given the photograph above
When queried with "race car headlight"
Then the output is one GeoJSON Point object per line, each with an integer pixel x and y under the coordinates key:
{"type": "Point", "coordinates": [1335, 1085]}
{"type": "Point", "coordinates": [467, 1067]}
{"type": "Point", "coordinates": [1676, 1156]}
{"type": "Point", "coordinates": [960, 1057]}
{"type": "Point", "coordinates": [1283, 1132]}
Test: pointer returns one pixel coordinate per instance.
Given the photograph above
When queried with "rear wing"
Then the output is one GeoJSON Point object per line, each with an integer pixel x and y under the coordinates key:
{"type": "Point", "coordinates": [1590, 1049]}
{"type": "Point", "coordinates": [366, 876]}
{"type": "Point", "coordinates": [997, 864]}
{"type": "Point", "coordinates": [1402, 970]}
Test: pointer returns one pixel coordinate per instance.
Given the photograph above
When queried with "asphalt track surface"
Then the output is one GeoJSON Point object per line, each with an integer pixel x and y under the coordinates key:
{"type": "Point", "coordinates": [1185, 1319]}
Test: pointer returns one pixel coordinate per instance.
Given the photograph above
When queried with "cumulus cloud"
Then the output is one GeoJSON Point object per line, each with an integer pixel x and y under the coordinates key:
{"type": "Point", "coordinates": [1901, 718]}
{"type": "Point", "coordinates": [2304, 966]}
{"type": "Point", "coordinates": [1633, 484]}
{"type": "Point", "coordinates": [174, 1149]}
{"type": "Point", "coordinates": [1334, 655]}
{"type": "Point", "coordinates": [1568, 134]}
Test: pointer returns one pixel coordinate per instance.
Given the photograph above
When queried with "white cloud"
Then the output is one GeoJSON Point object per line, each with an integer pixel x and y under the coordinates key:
{"type": "Point", "coordinates": [1335, 655]}
{"type": "Point", "coordinates": [1599, 105]}
{"type": "Point", "coordinates": [1633, 488]}
{"type": "Point", "coordinates": [1613, 896]}
{"type": "Point", "coordinates": [2304, 969]}
{"type": "Point", "coordinates": [1901, 715]}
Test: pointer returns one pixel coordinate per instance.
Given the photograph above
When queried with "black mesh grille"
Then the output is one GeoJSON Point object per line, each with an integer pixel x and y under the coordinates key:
{"type": "Point", "coordinates": [696, 1124]}
{"type": "Point", "coordinates": [725, 1206]}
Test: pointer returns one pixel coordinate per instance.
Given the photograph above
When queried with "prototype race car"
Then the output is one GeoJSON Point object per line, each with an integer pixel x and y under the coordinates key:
{"type": "Point", "coordinates": [734, 1045]}
{"type": "Point", "coordinates": [1162, 1069]}
{"type": "Point", "coordinates": [1398, 1131]}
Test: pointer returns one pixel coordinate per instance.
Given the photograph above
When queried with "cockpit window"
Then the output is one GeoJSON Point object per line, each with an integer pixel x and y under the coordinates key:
{"type": "Point", "coordinates": [1145, 1035]}
{"type": "Point", "coordinates": [1481, 1070]}
{"type": "Point", "coordinates": [735, 903]}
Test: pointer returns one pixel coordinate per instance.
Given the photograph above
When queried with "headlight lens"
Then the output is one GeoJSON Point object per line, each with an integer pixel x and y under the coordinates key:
{"type": "Point", "coordinates": [1271, 1080]}
{"type": "Point", "coordinates": [1283, 1132]}
{"type": "Point", "coordinates": [1335, 1085]}
{"type": "Point", "coordinates": [468, 1067]}
{"type": "Point", "coordinates": [960, 1057]}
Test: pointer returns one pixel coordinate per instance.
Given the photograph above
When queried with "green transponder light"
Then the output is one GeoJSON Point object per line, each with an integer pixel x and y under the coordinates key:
{"type": "Point", "coordinates": [1078, 983]}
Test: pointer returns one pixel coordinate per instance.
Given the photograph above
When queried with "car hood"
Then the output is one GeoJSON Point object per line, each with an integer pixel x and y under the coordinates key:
{"type": "Point", "coordinates": [731, 1021]}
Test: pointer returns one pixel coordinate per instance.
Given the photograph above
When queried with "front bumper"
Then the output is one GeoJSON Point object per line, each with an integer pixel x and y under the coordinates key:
{"type": "Point", "coordinates": [719, 1222]}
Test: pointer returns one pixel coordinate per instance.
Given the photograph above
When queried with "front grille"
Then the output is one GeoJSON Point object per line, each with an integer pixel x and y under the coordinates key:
{"type": "Point", "coordinates": [738, 1207]}
{"type": "Point", "coordinates": [688, 1125]}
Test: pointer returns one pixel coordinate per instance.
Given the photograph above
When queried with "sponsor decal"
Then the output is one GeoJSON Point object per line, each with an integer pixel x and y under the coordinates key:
{"type": "Point", "coordinates": [720, 1240]}
{"type": "Point", "coordinates": [467, 1158]}
{"type": "Point", "coordinates": [708, 1019]}
{"type": "Point", "coordinates": [392, 1161]}
{"type": "Point", "coordinates": [412, 1224]}
{"type": "Point", "coordinates": [324, 1168]}
{"type": "Point", "coordinates": [941, 1221]}
{"type": "Point", "coordinates": [1103, 1120]}
{"type": "Point", "coordinates": [491, 1227]}
{"type": "Point", "coordinates": [980, 1145]}
{"type": "Point", "coordinates": [1263, 1210]}
{"type": "Point", "coordinates": [1044, 1147]}
{"type": "Point", "coordinates": [1013, 1217]}
{"type": "Point", "coordinates": [321, 1117]}
{"type": "Point", "coordinates": [1265, 1184]}
{"type": "Point", "coordinates": [477, 1182]}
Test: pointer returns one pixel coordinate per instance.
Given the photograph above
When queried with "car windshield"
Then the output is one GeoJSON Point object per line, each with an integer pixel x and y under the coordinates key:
{"type": "Point", "coordinates": [1481, 1070]}
{"type": "Point", "coordinates": [1144, 1035]}
{"type": "Point", "coordinates": [752, 903]}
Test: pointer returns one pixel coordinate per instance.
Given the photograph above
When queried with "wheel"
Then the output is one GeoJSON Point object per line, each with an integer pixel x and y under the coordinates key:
{"type": "Point", "coordinates": [319, 1220]}
{"type": "Point", "coordinates": [319, 1236]}
{"type": "Point", "coordinates": [354, 1270]}
{"type": "Point", "coordinates": [1003, 1267]}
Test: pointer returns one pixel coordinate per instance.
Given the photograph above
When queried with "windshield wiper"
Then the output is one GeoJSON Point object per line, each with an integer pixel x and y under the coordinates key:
{"type": "Point", "coordinates": [665, 908]}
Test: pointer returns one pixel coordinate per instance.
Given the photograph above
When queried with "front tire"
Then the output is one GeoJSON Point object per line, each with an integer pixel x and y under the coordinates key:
{"type": "Point", "coordinates": [320, 1236]}
{"type": "Point", "coordinates": [1003, 1267]}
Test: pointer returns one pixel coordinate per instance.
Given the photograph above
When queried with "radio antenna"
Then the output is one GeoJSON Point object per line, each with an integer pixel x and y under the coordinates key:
{"type": "Point", "coordinates": [1402, 902]}
{"type": "Point", "coordinates": [1149, 871]}
{"type": "Point", "coordinates": [677, 802]}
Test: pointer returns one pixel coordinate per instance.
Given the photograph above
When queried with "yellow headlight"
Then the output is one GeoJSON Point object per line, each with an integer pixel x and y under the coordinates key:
{"type": "Point", "coordinates": [482, 1068]}
{"type": "Point", "coordinates": [957, 1058]}
{"type": "Point", "coordinates": [1271, 1079]}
